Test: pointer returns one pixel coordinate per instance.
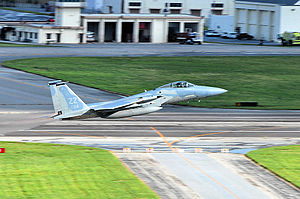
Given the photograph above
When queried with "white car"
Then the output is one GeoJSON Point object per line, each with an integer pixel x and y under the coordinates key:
{"type": "Point", "coordinates": [212, 34]}
{"type": "Point", "coordinates": [224, 35]}
{"type": "Point", "coordinates": [232, 35]}
{"type": "Point", "coordinates": [90, 36]}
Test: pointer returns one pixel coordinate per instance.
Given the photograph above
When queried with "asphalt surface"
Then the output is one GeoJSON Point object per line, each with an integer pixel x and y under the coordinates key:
{"type": "Point", "coordinates": [174, 49]}
{"type": "Point", "coordinates": [26, 92]}
{"type": "Point", "coordinates": [175, 133]}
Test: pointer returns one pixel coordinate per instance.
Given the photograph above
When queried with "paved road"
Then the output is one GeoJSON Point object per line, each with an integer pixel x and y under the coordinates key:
{"type": "Point", "coordinates": [25, 110]}
{"type": "Point", "coordinates": [146, 50]}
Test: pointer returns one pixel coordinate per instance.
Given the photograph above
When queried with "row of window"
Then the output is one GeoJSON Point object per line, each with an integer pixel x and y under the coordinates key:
{"type": "Point", "coordinates": [196, 12]}
{"type": "Point", "coordinates": [58, 37]}
{"type": "Point", "coordinates": [27, 35]}
{"type": "Point", "coordinates": [213, 5]}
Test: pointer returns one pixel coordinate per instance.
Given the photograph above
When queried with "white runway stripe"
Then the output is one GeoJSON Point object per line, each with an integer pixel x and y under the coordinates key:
{"type": "Point", "coordinates": [154, 123]}
{"type": "Point", "coordinates": [149, 130]}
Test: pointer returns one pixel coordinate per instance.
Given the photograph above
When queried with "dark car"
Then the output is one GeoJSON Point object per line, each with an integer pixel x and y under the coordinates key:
{"type": "Point", "coordinates": [244, 36]}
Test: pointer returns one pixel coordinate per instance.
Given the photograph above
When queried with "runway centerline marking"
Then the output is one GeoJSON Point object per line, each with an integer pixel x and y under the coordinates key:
{"type": "Point", "coordinates": [194, 165]}
{"type": "Point", "coordinates": [74, 134]}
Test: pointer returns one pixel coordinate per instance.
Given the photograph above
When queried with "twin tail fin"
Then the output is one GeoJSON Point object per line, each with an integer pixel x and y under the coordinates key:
{"type": "Point", "coordinates": [65, 102]}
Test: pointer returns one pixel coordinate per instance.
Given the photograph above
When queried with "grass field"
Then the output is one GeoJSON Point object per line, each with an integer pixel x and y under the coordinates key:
{"type": "Point", "coordinates": [63, 172]}
{"type": "Point", "coordinates": [271, 81]}
{"type": "Point", "coordinates": [283, 160]}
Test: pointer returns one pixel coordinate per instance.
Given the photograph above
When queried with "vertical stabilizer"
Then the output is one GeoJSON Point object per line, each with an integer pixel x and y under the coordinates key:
{"type": "Point", "coordinates": [65, 102]}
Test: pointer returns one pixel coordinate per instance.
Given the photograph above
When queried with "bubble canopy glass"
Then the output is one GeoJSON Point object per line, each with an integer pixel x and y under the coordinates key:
{"type": "Point", "coordinates": [179, 84]}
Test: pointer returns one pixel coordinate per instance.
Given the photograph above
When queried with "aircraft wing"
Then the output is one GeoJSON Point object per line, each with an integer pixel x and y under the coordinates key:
{"type": "Point", "coordinates": [126, 103]}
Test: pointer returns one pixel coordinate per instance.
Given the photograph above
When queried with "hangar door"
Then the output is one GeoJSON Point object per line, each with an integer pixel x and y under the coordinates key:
{"type": "Point", "coordinates": [92, 28]}
{"type": "Point", "coordinates": [110, 32]}
{"type": "Point", "coordinates": [127, 31]}
{"type": "Point", "coordinates": [144, 32]}
{"type": "Point", "coordinates": [173, 30]}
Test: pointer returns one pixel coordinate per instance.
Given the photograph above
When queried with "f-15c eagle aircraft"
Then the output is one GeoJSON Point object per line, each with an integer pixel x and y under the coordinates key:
{"type": "Point", "coordinates": [68, 105]}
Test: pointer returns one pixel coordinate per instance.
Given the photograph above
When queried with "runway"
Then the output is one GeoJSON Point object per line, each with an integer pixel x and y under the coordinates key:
{"type": "Point", "coordinates": [188, 143]}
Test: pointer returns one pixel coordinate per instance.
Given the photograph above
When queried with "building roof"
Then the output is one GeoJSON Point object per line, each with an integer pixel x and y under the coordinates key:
{"type": "Point", "coordinates": [279, 2]}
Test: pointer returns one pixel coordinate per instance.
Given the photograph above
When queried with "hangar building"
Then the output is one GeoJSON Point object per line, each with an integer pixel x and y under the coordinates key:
{"type": "Point", "coordinates": [265, 19]}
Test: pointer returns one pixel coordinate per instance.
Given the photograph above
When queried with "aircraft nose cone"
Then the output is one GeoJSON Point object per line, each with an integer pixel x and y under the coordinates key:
{"type": "Point", "coordinates": [217, 91]}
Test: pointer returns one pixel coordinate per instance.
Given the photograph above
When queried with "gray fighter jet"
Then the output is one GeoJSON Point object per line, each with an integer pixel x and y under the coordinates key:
{"type": "Point", "coordinates": [68, 105]}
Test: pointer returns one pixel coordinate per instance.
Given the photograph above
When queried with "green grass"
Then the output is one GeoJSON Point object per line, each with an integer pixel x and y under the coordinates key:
{"type": "Point", "coordinates": [64, 172]}
{"type": "Point", "coordinates": [283, 160]}
{"type": "Point", "coordinates": [271, 81]}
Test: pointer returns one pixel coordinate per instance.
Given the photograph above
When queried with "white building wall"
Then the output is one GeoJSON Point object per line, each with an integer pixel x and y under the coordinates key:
{"type": "Point", "coordinates": [158, 31]}
{"type": "Point", "coordinates": [67, 16]}
{"type": "Point", "coordinates": [261, 20]}
{"type": "Point", "coordinates": [68, 13]}
{"type": "Point", "coordinates": [289, 19]}
{"type": "Point", "coordinates": [221, 23]}
{"type": "Point", "coordinates": [70, 36]}
{"type": "Point", "coordinates": [39, 35]}
{"type": "Point", "coordinates": [187, 5]}
{"type": "Point", "coordinates": [27, 33]}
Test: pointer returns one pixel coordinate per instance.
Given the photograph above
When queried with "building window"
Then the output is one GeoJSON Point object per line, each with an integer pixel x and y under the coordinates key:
{"type": "Point", "coordinates": [14, 33]}
{"type": "Point", "coordinates": [134, 11]}
{"type": "Point", "coordinates": [58, 37]}
{"type": "Point", "coordinates": [195, 12]}
{"type": "Point", "coordinates": [216, 12]}
{"type": "Point", "coordinates": [31, 35]}
{"type": "Point", "coordinates": [175, 11]}
{"type": "Point", "coordinates": [48, 35]}
{"type": "Point", "coordinates": [155, 11]}
{"type": "Point", "coordinates": [175, 4]}
{"type": "Point", "coordinates": [217, 5]}
{"type": "Point", "coordinates": [20, 34]}
{"type": "Point", "coordinates": [135, 3]}
{"type": "Point", "coordinates": [35, 35]}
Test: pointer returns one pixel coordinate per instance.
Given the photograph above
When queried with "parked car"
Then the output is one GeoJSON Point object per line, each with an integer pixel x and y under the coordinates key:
{"type": "Point", "coordinates": [224, 35]}
{"type": "Point", "coordinates": [90, 37]}
{"type": "Point", "coordinates": [51, 20]}
{"type": "Point", "coordinates": [189, 38]}
{"type": "Point", "coordinates": [232, 35]}
{"type": "Point", "coordinates": [212, 34]}
{"type": "Point", "coordinates": [244, 36]}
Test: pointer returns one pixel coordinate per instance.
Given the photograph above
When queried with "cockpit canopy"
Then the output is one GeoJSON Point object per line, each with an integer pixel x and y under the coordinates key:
{"type": "Point", "coordinates": [179, 84]}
